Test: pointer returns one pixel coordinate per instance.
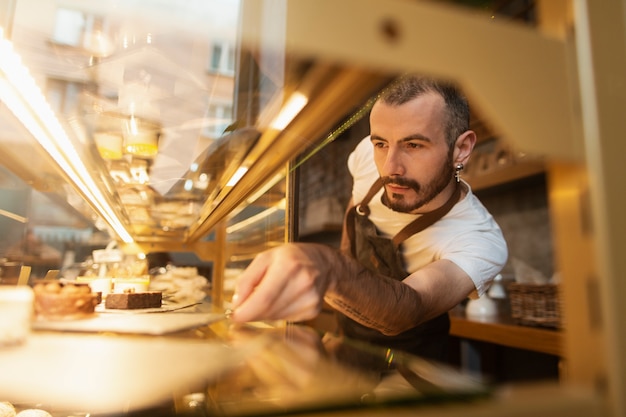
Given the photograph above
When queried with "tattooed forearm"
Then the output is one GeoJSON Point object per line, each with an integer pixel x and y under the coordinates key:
{"type": "Point", "coordinates": [374, 300]}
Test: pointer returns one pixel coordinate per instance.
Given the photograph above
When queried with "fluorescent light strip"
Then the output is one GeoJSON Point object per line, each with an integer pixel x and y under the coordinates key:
{"type": "Point", "coordinates": [238, 175]}
{"type": "Point", "coordinates": [268, 185]}
{"type": "Point", "coordinates": [20, 93]}
{"type": "Point", "coordinates": [13, 216]}
{"type": "Point", "coordinates": [289, 111]}
{"type": "Point", "coordinates": [257, 217]}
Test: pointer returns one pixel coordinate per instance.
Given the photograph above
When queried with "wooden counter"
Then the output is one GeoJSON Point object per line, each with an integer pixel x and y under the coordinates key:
{"type": "Point", "coordinates": [503, 331]}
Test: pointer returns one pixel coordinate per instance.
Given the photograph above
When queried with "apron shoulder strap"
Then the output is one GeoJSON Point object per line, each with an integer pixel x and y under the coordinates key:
{"type": "Point", "coordinates": [361, 209]}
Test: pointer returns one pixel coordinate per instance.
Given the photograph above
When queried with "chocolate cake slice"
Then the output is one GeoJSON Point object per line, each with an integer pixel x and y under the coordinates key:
{"type": "Point", "coordinates": [133, 300]}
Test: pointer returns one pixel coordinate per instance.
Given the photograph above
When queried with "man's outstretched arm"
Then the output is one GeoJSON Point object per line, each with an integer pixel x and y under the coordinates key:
{"type": "Point", "coordinates": [291, 282]}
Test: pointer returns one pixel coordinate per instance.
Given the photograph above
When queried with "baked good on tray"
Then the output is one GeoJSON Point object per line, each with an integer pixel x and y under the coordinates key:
{"type": "Point", "coordinates": [7, 409]}
{"type": "Point", "coordinates": [130, 300]}
{"type": "Point", "coordinates": [57, 300]}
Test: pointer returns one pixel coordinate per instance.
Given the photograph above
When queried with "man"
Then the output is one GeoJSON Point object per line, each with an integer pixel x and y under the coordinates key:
{"type": "Point", "coordinates": [417, 243]}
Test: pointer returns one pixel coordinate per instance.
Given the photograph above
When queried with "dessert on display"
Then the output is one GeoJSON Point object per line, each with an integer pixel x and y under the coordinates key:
{"type": "Point", "coordinates": [131, 300]}
{"type": "Point", "coordinates": [57, 300]}
{"type": "Point", "coordinates": [8, 410]}
{"type": "Point", "coordinates": [180, 284]}
{"type": "Point", "coordinates": [33, 412]}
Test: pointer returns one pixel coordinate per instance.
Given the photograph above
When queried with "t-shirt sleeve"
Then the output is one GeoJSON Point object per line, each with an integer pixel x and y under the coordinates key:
{"type": "Point", "coordinates": [359, 156]}
{"type": "Point", "coordinates": [362, 168]}
{"type": "Point", "coordinates": [482, 256]}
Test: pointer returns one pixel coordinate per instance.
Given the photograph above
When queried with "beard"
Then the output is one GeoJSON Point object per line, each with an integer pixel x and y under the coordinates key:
{"type": "Point", "coordinates": [424, 193]}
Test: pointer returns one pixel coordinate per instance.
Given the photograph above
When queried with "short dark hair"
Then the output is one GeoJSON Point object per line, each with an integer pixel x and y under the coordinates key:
{"type": "Point", "coordinates": [409, 87]}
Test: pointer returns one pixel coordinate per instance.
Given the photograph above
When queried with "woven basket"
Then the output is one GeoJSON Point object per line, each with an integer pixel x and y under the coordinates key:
{"type": "Point", "coordinates": [535, 304]}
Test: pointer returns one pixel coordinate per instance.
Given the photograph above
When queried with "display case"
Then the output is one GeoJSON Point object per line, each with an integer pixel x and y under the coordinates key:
{"type": "Point", "coordinates": [161, 128]}
{"type": "Point", "coordinates": [175, 127]}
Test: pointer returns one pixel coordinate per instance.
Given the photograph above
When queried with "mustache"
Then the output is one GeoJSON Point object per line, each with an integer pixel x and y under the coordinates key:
{"type": "Point", "coordinates": [401, 181]}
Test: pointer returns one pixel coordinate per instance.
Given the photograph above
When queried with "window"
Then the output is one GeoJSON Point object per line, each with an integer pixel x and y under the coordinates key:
{"type": "Point", "coordinates": [84, 31]}
{"type": "Point", "coordinates": [68, 27]}
{"type": "Point", "coordinates": [217, 118]}
{"type": "Point", "coordinates": [222, 59]}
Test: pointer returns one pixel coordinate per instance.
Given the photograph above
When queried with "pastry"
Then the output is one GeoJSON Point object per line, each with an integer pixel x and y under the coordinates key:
{"type": "Point", "coordinates": [7, 409]}
{"type": "Point", "coordinates": [62, 300]}
{"type": "Point", "coordinates": [33, 412]}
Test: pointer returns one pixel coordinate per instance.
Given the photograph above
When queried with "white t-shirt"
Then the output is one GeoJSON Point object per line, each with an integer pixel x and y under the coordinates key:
{"type": "Point", "coordinates": [467, 235]}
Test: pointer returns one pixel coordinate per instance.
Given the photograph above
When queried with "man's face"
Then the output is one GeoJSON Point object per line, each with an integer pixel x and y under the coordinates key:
{"type": "Point", "coordinates": [411, 153]}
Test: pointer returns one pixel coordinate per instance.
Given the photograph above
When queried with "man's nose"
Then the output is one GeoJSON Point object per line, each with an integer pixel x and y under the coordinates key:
{"type": "Point", "coordinates": [393, 163]}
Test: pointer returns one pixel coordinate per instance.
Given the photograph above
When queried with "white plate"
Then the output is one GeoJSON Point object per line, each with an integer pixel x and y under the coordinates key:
{"type": "Point", "coordinates": [154, 324]}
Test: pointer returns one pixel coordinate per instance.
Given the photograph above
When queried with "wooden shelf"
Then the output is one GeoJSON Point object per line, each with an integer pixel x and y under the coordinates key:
{"type": "Point", "coordinates": [32, 260]}
{"type": "Point", "coordinates": [506, 174]}
{"type": "Point", "coordinates": [503, 331]}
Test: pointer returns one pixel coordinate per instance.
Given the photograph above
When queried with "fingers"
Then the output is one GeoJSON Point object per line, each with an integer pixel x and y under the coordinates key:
{"type": "Point", "coordinates": [281, 284]}
{"type": "Point", "coordinates": [254, 294]}
{"type": "Point", "coordinates": [249, 279]}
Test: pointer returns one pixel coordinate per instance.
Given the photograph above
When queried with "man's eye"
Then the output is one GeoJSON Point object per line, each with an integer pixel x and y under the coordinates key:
{"type": "Point", "coordinates": [379, 144]}
{"type": "Point", "coordinates": [414, 145]}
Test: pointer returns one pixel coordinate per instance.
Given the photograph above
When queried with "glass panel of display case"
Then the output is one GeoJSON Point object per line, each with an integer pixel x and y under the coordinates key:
{"type": "Point", "coordinates": [258, 224]}
{"type": "Point", "coordinates": [158, 113]}
{"type": "Point", "coordinates": [132, 90]}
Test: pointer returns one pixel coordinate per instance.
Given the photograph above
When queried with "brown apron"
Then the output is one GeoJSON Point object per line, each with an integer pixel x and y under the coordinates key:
{"type": "Point", "coordinates": [383, 255]}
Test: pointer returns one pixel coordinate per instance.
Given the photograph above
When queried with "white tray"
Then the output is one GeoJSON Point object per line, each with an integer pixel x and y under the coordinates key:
{"type": "Point", "coordinates": [152, 323]}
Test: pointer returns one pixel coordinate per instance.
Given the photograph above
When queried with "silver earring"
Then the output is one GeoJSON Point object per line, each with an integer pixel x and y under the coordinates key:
{"type": "Point", "coordinates": [457, 172]}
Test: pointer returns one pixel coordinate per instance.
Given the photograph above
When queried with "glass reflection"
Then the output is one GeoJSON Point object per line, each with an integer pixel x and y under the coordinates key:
{"type": "Point", "coordinates": [299, 369]}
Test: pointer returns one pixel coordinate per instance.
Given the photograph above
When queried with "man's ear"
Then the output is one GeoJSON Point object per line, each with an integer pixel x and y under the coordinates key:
{"type": "Point", "coordinates": [464, 146]}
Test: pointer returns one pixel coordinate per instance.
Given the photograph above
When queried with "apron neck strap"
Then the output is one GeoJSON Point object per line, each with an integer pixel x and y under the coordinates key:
{"type": "Point", "coordinates": [427, 219]}
{"type": "Point", "coordinates": [410, 229]}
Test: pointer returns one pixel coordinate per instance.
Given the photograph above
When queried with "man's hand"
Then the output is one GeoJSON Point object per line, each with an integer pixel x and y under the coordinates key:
{"type": "Point", "coordinates": [291, 282]}
{"type": "Point", "coordinates": [287, 282]}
